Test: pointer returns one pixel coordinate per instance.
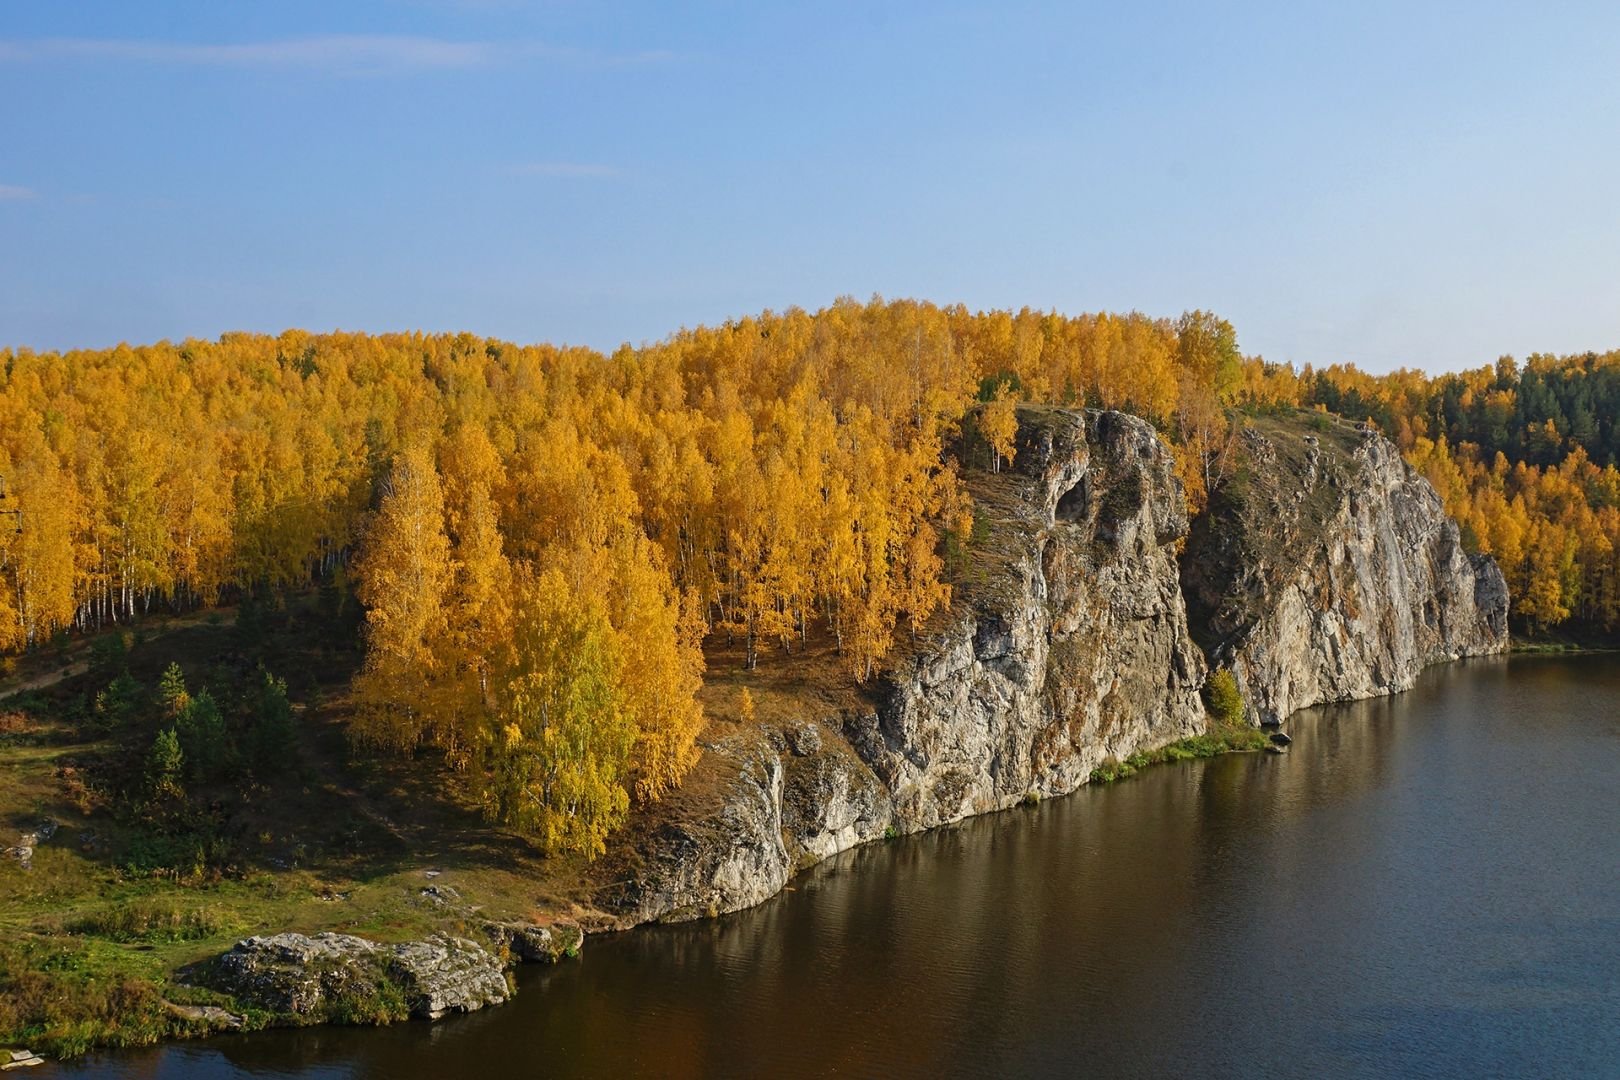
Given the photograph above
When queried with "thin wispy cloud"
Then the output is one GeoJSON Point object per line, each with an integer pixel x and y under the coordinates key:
{"type": "Point", "coordinates": [578, 169]}
{"type": "Point", "coordinates": [15, 193]}
{"type": "Point", "coordinates": [339, 53]}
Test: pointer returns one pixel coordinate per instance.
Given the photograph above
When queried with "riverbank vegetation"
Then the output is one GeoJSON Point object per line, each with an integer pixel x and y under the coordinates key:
{"type": "Point", "coordinates": [1227, 734]}
{"type": "Point", "coordinates": [126, 881]}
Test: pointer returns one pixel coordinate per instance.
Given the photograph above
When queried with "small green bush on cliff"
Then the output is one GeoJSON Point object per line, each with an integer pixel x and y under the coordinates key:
{"type": "Point", "coordinates": [1223, 700]}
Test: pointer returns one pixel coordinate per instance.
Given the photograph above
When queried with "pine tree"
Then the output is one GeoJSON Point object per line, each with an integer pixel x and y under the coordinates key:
{"type": "Point", "coordinates": [172, 691]}
{"type": "Point", "coordinates": [165, 766]}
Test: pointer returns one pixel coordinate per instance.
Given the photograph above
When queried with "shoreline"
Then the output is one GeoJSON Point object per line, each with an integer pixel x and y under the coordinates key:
{"type": "Point", "coordinates": [203, 1013]}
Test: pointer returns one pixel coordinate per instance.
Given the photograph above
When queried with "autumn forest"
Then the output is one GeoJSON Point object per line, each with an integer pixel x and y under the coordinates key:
{"type": "Point", "coordinates": [544, 539]}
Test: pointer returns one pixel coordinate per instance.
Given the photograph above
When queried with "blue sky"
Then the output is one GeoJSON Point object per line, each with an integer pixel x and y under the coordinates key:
{"type": "Point", "coordinates": [1386, 184]}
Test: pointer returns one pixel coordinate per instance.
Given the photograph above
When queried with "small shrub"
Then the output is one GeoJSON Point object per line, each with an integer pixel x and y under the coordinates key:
{"type": "Point", "coordinates": [108, 654]}
{"type": "Point", "coordinates": [118, 703]}
{"type": "Point", "coordinates": [165, 765]}
{"type": "Point", "coordinates": [1223, 700]}
{"type": "Point", "coordinates": [1111, 769]}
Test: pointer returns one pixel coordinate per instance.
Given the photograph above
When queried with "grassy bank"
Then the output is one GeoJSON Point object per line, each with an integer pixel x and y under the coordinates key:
{"type": "Point", "coordinates": [295, 832]}
{"type": "Point", "coordinates": [152, 868]}
{"type": "Point", "coordinates": [1223, 739]}
{"type": "Point", "coordinates": [1569, 638]}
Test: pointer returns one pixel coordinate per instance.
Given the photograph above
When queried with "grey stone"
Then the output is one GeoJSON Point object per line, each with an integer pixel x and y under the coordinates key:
{"type": "Point", "coordinates": [441, 895]}
{"type": "Point", "coordinates": [319, 977]}
{"type": "Point", "coordinates": [1331, 572]}
{"type": "Point", "coordinates": [212, 1015]}
{"type": "Point", "coordinates": [446, 974]}
{"type": "Point", "coordinates": [536, 944]}
{"type": "Point", "coordinates": [805, 739]}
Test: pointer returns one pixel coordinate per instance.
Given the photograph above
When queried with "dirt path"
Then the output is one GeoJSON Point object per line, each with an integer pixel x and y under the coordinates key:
{"type": "Point", "coordinates": [39, 680]}
{"type": "Point", "coordinates": [49, 678]}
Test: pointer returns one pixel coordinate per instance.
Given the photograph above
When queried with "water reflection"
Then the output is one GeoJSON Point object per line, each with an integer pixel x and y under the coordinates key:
{"type": "Point", "coordinates": [1425, 885]}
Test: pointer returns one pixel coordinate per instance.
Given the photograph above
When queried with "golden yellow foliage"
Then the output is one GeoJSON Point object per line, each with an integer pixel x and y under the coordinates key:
{"type": "Point", "coordinates": [761, 481]}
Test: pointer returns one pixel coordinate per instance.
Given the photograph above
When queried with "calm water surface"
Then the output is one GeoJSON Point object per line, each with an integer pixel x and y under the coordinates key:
{"type": "Point", "coordinates": [1427, 885]}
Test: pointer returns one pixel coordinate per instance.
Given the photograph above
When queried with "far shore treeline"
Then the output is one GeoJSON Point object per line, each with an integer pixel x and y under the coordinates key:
{"type": "Point", "coordinates": [544, 538]}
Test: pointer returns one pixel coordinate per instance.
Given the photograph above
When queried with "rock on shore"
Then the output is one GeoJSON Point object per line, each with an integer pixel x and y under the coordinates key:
{"type": "Point", "coordinates": [343, 977]}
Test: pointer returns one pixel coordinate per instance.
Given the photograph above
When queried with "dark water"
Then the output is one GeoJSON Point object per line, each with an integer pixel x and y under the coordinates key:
{"type": "Point", "coordinates": [1426, 886]}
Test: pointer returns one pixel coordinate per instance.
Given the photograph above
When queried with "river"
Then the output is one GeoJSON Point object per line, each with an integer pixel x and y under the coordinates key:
{"type": "Point", "coordinates": [1426, 885]}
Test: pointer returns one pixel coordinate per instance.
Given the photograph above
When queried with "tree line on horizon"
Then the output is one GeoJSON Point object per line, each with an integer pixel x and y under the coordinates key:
{"type": "Point", "coordinates": [1524, 456]}
{"type": "Point", "coordinates": [544, 538]}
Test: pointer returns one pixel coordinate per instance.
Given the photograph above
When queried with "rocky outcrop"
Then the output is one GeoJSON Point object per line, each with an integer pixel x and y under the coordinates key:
{"type": "Point", "coordinates": [782, 801]}
{"type": "Point", "coordinates": [23, 850]}
{"type": "Point", "coordinates": [1072, 649]}
{"type": "Point", "coordinates": [1326, 569]}
{"type": "Point", "coordinates": [1067, 644]}
{"type": "Point", "coordinates": [19, 1059]}
{"type": "Point", "coordinates": [346, 978]}
{"type": "Point", "coordinates": [533, 944]}
{"type": "Point", "coordinates": [445, 974]}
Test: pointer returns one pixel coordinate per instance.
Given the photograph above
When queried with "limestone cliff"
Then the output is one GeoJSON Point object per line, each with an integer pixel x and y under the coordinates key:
{"type": "Point", "coordinates": [1326, 569]}
{"type": "Point", "coordinates": [1067, 644]}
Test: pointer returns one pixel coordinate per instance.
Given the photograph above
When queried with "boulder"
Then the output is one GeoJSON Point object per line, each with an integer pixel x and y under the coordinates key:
{"type": "Point", "coordinates": [536, 944]}
{"type": "Point", "coordinates": [446, 974]}
{"type": "Point", "coordinates": [343, 977]}
{"type": "Point", "coordinates": [211, 1016]}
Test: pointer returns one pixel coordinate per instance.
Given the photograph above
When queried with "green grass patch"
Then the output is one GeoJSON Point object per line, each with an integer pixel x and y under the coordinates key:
{"type": "Point", "coordinates": [1224, 740]}
{"type": "Point", "coordinates": [63, 997]}
{"type": "Point", "coordinates": [157, 919]}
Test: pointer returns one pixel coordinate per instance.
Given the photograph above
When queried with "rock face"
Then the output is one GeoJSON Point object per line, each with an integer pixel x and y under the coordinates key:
{"type": "Point", "coordinates": [772, 810]}
{"type": "Point", "coordinates": [1326, 569]}
{"type": "Point", "coordinates": [445, 974]}
{"type": "Point", "coordinates": [1068, 644]}
{"type": "Point", "coordinates": [342, 977]}
{"type": "Point", "coordinates": [1073, 649]}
